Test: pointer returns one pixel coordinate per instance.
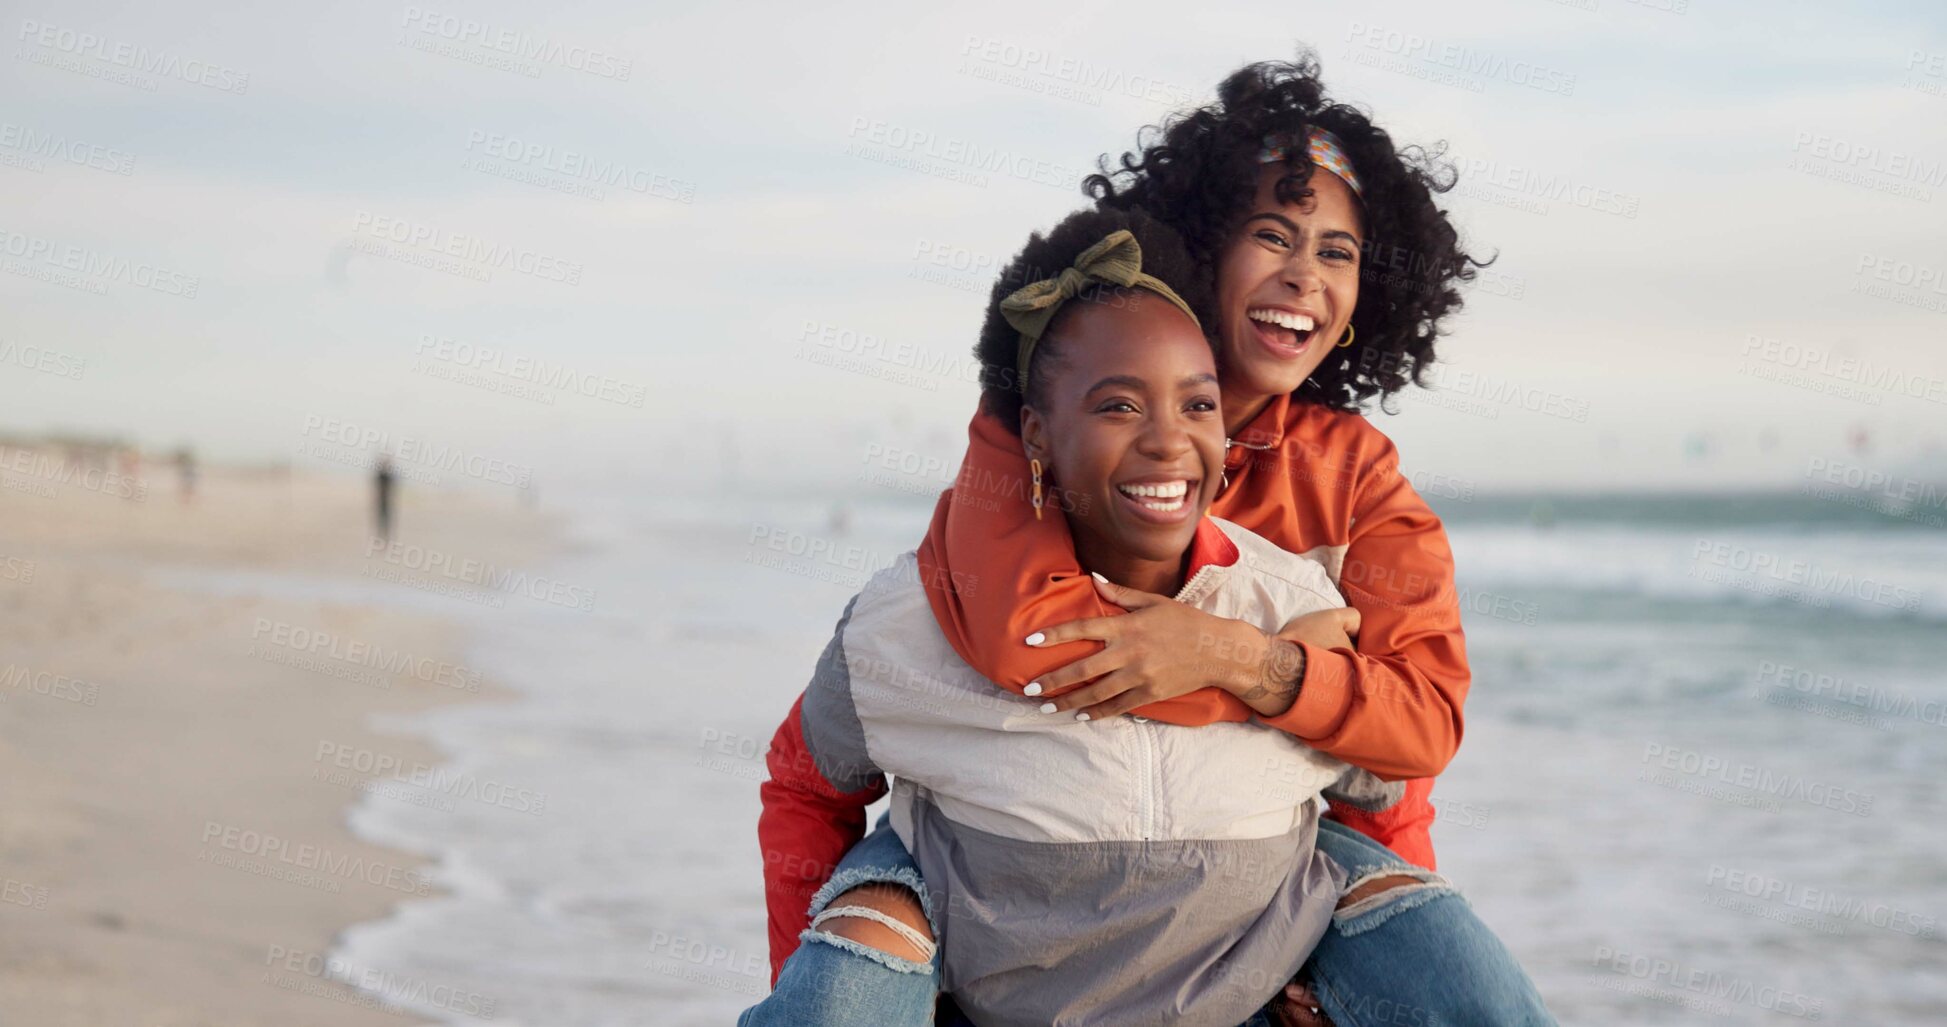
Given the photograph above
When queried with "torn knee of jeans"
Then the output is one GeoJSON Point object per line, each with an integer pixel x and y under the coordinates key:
{"type": "Point", "coordinates": [841, 911]}
{"type": "Point", "coordinates": [848, 878]}
{"type": "Point", "coordinates": [1378, 895]}
{"type": "Point", "coordinates": [855, 910]}
{"type": "Point", "coordinates": [880, 956]}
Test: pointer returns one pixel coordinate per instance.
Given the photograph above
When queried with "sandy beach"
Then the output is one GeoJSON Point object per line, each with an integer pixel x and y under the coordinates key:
{"type": "Point", "coordinates": [180, 743]}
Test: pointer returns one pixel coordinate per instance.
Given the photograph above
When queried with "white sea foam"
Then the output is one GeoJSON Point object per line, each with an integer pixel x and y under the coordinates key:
{"type": "Point", "coordinates": [1860, 572]}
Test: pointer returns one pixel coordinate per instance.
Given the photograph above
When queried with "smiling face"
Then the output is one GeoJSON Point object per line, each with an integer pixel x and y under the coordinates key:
{"type": "Point", "coordinates": [1286, 286]}
{"type": "Point", "coordinates": [1129, 430]}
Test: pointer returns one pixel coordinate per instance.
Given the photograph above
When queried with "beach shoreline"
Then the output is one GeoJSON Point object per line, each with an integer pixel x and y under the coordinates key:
{"type": "Point", "coordinates": [189, 697]}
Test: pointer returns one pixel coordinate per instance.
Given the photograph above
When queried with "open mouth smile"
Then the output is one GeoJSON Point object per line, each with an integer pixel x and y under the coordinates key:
{"type": "Point", "coordinates": [1163, 501]}
{"type": "Point", "coordinates": [1283, 332]}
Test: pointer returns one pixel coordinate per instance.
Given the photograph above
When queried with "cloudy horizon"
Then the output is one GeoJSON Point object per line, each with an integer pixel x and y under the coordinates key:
{"type": "Point", "coordinates": [597, 242]}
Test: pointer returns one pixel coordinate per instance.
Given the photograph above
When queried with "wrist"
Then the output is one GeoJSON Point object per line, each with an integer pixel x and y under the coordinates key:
{"type": "Point", "coordinates": [1277, 678]}
{"type": "Point", "coordinates": [1286, 665]}
{"type": "Point", "coordinates": [1241, 650]}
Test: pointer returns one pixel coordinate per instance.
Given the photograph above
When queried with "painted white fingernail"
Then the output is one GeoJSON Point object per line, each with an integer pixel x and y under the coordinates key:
{"type": "Point", "coordinates": [1037, 638]}
{"type": "Point", "coordinates": [1098, 576]}
{"type": "Point", "coordinates": [1081, 716]}
{"type": "Point", "coordinates": [1034, 688]}
{"type": "Point", "coordinates": [1047, 707]}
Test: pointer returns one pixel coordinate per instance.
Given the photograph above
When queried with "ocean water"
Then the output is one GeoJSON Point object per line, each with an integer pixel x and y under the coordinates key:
{"type": "Point", "coordinates": [1700, 781]}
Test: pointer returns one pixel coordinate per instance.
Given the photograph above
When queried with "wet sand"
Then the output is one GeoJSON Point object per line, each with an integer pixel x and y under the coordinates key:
{"type": "Point", "coordinates": [178, 758]}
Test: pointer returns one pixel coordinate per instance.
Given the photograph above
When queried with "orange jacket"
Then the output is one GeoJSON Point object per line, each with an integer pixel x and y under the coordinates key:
{"type": "Point", "coordinates": [1312, 480]}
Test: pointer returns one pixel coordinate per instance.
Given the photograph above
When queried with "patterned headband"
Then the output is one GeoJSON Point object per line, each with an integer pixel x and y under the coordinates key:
{"type": "Point", "coordinates": [1323, 148]}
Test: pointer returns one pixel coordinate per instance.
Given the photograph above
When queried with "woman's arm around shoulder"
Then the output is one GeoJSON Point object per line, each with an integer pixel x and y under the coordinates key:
{"type": "Point", "coordinates": [1393, 703]}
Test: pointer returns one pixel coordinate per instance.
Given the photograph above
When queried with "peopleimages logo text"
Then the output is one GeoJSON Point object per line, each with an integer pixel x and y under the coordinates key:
{"type": "Point", "coordinates": [132, 56]}
{"type": "Point", "coordinates": [517, 43]}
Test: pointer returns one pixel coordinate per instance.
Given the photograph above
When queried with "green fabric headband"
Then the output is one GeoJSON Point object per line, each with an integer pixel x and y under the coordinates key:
{"type": "Point", "coordinates": [1116, 260]}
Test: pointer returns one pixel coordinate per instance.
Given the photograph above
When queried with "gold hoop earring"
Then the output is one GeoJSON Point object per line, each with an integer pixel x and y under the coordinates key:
{"type": "Point", "coordinates": [1035, 467]}
{"type": "Point", "coordinates": [1347, 341]}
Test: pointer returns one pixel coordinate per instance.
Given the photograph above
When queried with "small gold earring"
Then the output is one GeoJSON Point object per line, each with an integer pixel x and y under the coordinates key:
{"type": "Point", "coordinates": [1347, 341]}
{"type": "Point", "coordinates": [1035, 467]}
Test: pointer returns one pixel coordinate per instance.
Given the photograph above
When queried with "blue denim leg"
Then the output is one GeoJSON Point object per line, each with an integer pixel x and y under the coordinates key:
{"type": "Point", "coordinates": [836, 981]}
{"type": "Point", "coordinates": [1413, 955]}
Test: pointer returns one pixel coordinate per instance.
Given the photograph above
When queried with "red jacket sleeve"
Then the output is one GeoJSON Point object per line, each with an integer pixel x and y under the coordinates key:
{"type": "Point", "coordinates": [1406, 827]}
{"type": "Point", "coordinates": [807, 826]}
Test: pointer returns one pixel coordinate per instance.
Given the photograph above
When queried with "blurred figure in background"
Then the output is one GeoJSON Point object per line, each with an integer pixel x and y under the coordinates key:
{"type": "Point", "coordinates": [382, 496]}
{"type": "Point", "coordinates": [186, 473]}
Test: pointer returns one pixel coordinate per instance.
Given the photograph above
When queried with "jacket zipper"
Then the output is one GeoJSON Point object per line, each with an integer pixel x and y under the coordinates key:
{"type": "Point", "coordinates": [1192, 583]}
{"type": "Point", "coordinates": [1151, 774]}
{"type": "Point", "coordinates": [1224, 471]}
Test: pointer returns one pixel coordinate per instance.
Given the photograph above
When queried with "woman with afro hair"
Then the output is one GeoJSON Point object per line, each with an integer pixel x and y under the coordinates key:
{"type": "Point", "coordinates": [1327, 292]}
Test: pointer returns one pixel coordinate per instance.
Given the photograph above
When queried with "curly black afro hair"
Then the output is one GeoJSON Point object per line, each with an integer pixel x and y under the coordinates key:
{"type": "Point", "coordinates": [1198, 171]}
{"type": "Point", "coordinates": [1165, 257]}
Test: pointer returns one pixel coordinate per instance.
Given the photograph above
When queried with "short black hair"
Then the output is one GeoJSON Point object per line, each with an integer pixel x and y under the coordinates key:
{"type": "Point", "coordinates": [1198, 171]}
{"type": "Point", "coordinates": [1165, 257]}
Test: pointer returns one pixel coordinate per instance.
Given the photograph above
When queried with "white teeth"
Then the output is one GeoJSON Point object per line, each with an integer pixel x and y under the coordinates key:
{"type": "Point", "coordinates": [1162, 497]}
{"type": "Point", "coordinates": [1160, 490]}
{"type": "Point", "coordinates": [1283, 319]}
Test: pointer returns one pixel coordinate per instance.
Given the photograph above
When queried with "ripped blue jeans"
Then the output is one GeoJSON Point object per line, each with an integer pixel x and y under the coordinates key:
{"type": "Point", "coordinates": [837, 981]}
{"type": "Point", "coordinates": [1414, 955]}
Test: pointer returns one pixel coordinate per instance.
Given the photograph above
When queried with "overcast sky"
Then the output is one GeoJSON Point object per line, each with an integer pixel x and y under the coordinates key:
{"type": "Point", "coordinates": [1722, 228]}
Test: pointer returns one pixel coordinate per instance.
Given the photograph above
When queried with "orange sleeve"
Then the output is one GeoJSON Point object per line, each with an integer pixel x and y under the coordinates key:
{"type": "Point", "coordinates": [1010, 574]}
{"type": "Point", "coordinates": [1393, 706]}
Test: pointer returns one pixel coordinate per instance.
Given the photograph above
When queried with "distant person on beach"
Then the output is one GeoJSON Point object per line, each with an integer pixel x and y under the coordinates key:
{"type": "Point", "coordinates": [1037, 846]}
{"type": "Point", "coordinates": [382, 496]}
{"type": "Point", "coordinates": [1331, 290]}
{"type": "Point", "coordinates": [186, 473]}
